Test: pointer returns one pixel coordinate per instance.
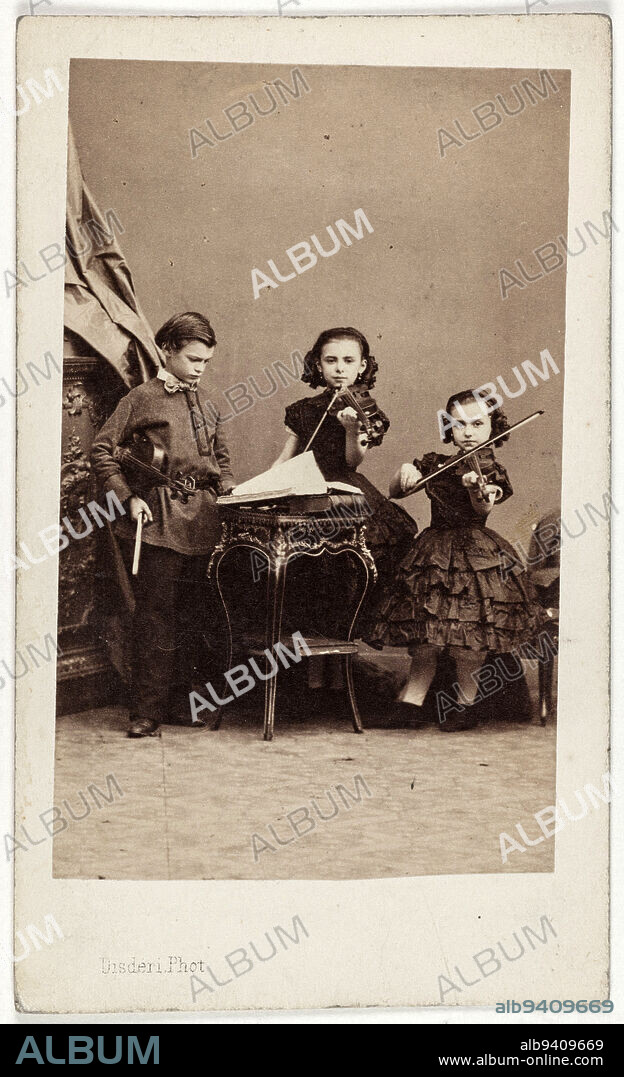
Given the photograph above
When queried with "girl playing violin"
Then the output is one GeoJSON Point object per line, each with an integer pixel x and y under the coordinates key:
{"type": "Point", "coordinates": [450, 592]}
{"type": "Point", "coordinates": [340, 359]}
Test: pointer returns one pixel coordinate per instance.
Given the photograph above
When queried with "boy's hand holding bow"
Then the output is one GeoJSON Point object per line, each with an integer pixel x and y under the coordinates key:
{"type": "Point", "coordinates": [138, 507]}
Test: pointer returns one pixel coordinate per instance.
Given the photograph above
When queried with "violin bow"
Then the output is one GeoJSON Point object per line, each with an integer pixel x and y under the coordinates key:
{"type": "Point", "coordinates": [466, 455]}
{"type": "Point", "coordinates": [323, 417]}
{"type": "Point", "coordinates": [137, 544]}
{"type": "Point", "coordinates": [351, 401]}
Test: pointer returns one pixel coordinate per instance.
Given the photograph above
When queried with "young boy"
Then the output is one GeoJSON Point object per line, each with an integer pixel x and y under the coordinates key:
{"type": "Point", "coordinates": [176, 415]}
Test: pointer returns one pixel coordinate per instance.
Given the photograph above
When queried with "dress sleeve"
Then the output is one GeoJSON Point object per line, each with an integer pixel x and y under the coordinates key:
{"type": "Point", "coordinates": [429, 463]}
{"type": "Point", "coordinates": [222, 455]}
{"type": "Point", "coordinates": [294, 418]}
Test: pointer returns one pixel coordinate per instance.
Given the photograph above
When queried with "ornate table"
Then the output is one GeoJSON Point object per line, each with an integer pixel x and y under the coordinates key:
{"type": "Point", "coordinates": [274, 539]}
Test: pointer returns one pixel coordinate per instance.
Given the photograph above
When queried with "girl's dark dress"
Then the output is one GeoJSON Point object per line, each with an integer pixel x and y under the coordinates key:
{"type": "Point", "coordinates": [390, 530]}
{"type": "Point", "coordinates": [450, 590]}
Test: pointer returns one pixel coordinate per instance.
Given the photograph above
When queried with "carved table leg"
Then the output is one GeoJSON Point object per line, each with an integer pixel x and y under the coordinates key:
{"type": "Point", "coordinates": [365, 561]}
{"type": "Point", "coordinates": [276, 583]}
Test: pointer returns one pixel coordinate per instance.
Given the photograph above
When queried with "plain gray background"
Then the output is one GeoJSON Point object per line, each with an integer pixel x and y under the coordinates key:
{"type": "Point", "coordinates": [423, 287]}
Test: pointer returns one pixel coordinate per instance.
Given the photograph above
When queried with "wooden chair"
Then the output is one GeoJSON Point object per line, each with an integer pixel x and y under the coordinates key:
{"type": "Point", "coordinates": [544, 567]}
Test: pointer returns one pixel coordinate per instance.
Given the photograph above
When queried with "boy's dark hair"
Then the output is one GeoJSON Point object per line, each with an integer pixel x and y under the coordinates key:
{"type": "Point", "coordinates": [471, 396]}
{"type": "Point", "coordinates": [311, 375]}
{"type": "Point", "coordinates": [181, 329]}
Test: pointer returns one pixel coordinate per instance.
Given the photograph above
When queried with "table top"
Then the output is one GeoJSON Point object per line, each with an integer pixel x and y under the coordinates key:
{"type": "Point", "coordinates": [273, 516]}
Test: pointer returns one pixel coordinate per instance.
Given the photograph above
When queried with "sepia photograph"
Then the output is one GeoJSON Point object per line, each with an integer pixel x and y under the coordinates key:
{"type": "Point", "coordinates": [310, 559]}
{"type": "Point", "coordinates": [313, 510]}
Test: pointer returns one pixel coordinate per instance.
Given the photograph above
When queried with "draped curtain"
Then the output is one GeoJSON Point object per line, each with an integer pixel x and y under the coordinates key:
{"type": "Point", "coordinates": [102, 309]}
{"type": "Point", "coordinates": [101, 306]}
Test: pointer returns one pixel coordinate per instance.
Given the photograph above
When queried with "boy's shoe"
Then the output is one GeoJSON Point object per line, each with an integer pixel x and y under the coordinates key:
{"type": "Point", "coordinates": [144, 727]}
{"type": "Point", "coordinates": [187, 720]}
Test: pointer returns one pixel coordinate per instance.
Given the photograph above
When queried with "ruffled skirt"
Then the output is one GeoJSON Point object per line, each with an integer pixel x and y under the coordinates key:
{"type": "Point", "coordinates": [390, 534]}
{"type": "Point", "coordinates": [451, 591]}
{"type": "Point", "coordinates": [390, 530]}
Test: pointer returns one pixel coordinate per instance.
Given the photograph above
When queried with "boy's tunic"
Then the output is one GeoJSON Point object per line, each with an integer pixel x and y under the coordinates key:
{"type": "Point", "coordinates": [186, 424]}
{"type": "Point", "coordinates": [172, 604]}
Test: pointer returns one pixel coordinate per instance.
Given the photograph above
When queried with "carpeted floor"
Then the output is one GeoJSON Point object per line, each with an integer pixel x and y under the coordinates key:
{"type": "Point", "coordinates": [396, 802]}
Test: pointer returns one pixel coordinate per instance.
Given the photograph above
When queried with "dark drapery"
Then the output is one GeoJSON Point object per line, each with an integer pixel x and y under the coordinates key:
{"type": "Point", "coordinates": [101, 306]}
{"type": "Point", "coordinates": [103, 312]}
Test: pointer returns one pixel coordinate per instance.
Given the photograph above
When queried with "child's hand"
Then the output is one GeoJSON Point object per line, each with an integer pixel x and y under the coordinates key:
{"type": "Point", "coordinates": [136, 506]}
{"type": "Point", "coordinates": [470, 479]}
{"type": "Point", "coordinates": [349, 418]}
{"type": "Point", "coordinates": [409, 476]}
{"type": "Point", "coordinates": [492, 493]}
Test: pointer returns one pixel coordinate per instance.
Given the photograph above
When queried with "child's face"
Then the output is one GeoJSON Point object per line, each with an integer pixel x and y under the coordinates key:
{"type": "Point", "coordinates": [188, 364]}
{"type": "Point", "coordinates": [474, 425]}
{"type": "Point", "coordinates": [341, 362]}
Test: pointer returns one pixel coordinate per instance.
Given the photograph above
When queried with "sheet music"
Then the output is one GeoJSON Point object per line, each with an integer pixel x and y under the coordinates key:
{"type": "Point", "coordinates": [343, 487]}
{"type": "Point", "coordinates": [298, 477]}
{"type": "Point", "coordinates": [301, 475]}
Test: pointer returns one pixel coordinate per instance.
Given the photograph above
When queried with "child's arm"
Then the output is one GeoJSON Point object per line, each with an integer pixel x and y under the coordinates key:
{"type": "Point", "coordinates": [107, 469]}
{"type": "Point", "coordinates": [356, 443]}
{"type": "Point", "coordinates": [405, 479]}
{"type": "Point", "coordinates": [497, 488]}
{"type": "Point", "coordinates": [291, 448]}
{"type": "Point", "coordinates": [222, 456]}
{"type": "Point", "coordinates": [481, 500]}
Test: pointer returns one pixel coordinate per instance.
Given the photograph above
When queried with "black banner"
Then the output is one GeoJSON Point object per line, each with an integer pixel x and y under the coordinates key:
{"type": "Point", "coordinates": [440, 1046]}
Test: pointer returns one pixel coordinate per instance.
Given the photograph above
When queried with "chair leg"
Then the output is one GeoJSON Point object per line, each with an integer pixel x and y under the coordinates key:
{"type": "Point", "coordinates": [545, 677]}
{"type": "Point", "coordinates": [270, 692]}
{"type": "Point", "coordinates": [357, 721]}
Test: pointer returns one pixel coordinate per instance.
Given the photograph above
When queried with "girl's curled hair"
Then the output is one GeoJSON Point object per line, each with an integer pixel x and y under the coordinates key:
{"type": "Point", "coordinates": [311, 374]}
{"type": "Point", "coordinates": [470, 396]}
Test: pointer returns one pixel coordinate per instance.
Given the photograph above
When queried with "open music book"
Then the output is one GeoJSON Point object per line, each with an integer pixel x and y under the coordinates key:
{"type": "Point", "coordinates": [299, 477]}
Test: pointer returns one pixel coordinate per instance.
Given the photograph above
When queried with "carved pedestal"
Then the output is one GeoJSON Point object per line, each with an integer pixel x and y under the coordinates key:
{"type": "Point", "coordinates": [85, 676]}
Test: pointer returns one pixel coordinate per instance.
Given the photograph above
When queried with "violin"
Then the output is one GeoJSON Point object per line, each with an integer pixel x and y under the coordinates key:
{"type": "Point", "coordinates": [480, 462]}
{"type": "Point", "coordinates": [464, 459]}
{"type": "Point", "coordinates": [366, 409]}
{"type": "Point", "coordinates": [145, 466]}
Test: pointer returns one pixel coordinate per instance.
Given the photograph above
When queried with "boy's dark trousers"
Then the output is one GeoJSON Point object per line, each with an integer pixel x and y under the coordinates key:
{"type": "Point", "coordinates": [172, 615]}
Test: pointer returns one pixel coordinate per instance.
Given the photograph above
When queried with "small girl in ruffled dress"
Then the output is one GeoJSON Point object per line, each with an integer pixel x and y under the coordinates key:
{"type": "Point", "coordinates": [450, 592]}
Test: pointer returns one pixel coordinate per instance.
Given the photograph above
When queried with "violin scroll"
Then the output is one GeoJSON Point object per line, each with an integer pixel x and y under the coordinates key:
{"type": "Point", "coordinates": [183, 488]}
